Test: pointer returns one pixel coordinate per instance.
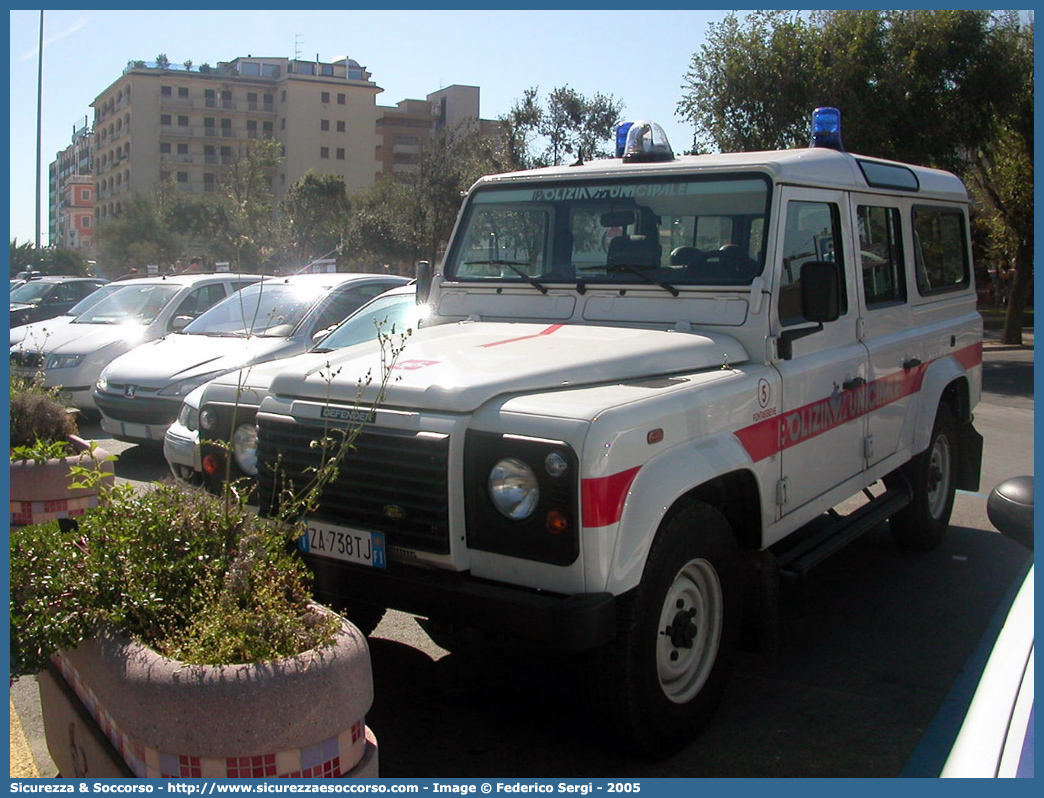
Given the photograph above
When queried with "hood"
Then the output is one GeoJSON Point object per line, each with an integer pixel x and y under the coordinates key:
{"type": "Point", "coordinates": [35, 335]}
{"type": "Point", "coordinates": [180, 357]}
{"type": "Point", "coordinates": [83, 339]}
{"type": "Point", "coordinates": [248, 386]}
{"type": "Point", "coordinates": [459, 367]}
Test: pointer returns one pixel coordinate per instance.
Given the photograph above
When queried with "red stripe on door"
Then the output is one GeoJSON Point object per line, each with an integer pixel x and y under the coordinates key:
{"type": "Point", "coordinates": [773, 435]}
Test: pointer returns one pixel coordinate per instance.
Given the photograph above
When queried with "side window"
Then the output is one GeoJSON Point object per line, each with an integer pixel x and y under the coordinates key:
{"type": "Point", "coordinates": [881, 255]}
{"type": "Point", "coordinates": [200, 300]}
{"type": "Point", "coordinates": [813, 232]}
{"type": "Point", "coordinates": [940, 254]}
{"type": "Point", "coordinates": [338, 306]}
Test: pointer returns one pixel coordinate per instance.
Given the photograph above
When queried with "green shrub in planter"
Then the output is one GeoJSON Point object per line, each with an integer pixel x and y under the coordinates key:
{"type": "Point", "coordinates": [38, 419]}
{"type": "Point", "coordinates": [196, 577]}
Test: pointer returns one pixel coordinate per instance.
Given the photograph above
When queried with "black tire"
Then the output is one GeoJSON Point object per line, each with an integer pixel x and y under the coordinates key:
{"type": "Point", "coordinates": [662, 678]}
{"type": "Point", "coordinates": [931, 476]}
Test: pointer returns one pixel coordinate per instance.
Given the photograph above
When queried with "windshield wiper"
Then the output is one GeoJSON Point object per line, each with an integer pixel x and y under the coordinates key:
{"type": "Point", "coordinates": [514, 266]}
{"type": "Point", "coordinates": [638, 271]}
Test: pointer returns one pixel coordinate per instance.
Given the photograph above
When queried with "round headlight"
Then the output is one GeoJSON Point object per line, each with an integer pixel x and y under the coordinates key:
{"type": "Point", "coordinates": [513, 489]}
{"type": "Point", "coordinates": [244, 447]}
{"type": "Point", "coordinates": [208, 419]}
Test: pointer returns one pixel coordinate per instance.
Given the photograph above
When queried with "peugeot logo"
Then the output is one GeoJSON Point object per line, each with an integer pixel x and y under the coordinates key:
{"type": "Point", "coordinates": [130, 390]}
{"type": "Point", "coordinates": [394, 512]}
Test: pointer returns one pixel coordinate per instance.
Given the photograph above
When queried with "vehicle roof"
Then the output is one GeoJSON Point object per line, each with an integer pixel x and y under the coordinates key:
{"type": "Point", "coordinates": [328, 278]}
{"type": "Point", "coordinates": [811, 166]}
{"type": "Point", "coordinates": [188, 279]}
{"type": "Point", "coordinates": [63, 278]}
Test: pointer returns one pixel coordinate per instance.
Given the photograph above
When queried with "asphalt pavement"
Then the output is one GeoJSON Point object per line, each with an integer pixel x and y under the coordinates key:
{"type": "Point", "coordinates": [870, 644]}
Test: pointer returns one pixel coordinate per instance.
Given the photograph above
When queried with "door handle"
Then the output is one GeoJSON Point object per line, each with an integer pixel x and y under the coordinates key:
{"type": "Point", "coordinates": [852, 384]}
{"type": "Point", "coordinates": [912, 363]}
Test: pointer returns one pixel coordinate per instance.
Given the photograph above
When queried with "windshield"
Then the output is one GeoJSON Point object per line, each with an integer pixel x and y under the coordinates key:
{"type": "Point", "coordinates": [130, 304]}
{"type": "Point", "coordinates": [31, 293]}
{"type": "Point", "coordinates": [382, 316]}
{"type": "Point", "coordinates": [92, 299]}
{"type": "Point", "coordinates": [270, 309]}
{"type": "Point", "coordinates": [666, 231]}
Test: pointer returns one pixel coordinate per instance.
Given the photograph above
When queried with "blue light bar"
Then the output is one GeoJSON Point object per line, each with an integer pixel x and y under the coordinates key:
{"type": "Point", "coordinates": [621, 138]}
{"type": "Point", "coordinates": [826, 128]}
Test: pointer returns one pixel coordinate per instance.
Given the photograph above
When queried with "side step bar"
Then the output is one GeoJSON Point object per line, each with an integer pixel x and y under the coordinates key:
{"type": "Point", "coordinates": [796, 562]}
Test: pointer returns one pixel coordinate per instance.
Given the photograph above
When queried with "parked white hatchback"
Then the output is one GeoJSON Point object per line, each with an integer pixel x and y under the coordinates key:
{"type": "Point", "coordinates": [139, 394]}
{"type": "Point", "coordinates": [73, 355]}
{"type": "Point", "coordinates": [222, 411]}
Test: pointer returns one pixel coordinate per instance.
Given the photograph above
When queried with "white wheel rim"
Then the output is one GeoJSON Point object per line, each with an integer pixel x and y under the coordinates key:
{"type": "Point", "coordinates": [939, 476]}
{"type": "Point", "coordinates": [690, 631]}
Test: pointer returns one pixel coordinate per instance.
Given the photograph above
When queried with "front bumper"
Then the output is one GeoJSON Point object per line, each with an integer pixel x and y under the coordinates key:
{"type": "Point", "coordinates": [139, 418]}
{"type": "Point", "coordinates": [577, 622]}
{"type": "Point", "coordinates": [181, 451]}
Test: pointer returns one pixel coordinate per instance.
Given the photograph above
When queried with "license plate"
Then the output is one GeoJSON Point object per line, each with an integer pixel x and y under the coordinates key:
{"type": "Point", "coordinates": [341, 543]}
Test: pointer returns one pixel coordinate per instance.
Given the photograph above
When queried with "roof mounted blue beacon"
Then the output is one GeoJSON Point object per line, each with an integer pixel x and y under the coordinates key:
{"type": "Point", "coordinates": [826, 128]}
{"type": "Point", "coordinates": [643, 141]}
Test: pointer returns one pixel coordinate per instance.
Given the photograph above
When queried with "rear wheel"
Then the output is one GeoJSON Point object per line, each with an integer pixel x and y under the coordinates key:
{"type": "Point", "coordinates": [931, 476]}
{"type": "Point", "coordinates": [676, 636]}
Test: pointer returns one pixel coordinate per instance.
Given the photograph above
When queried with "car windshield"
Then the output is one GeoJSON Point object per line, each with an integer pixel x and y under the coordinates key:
{"type": "Point", "coordinates": [32, 293]}
{"type": "Point", "coordinates": [93, 299]}
{"type": "Point", "coordinates": [665, 231]}
{"type": "Point", "coordinates": [269, 309]}
{"type": "Point", "coordinates": [130, 304]}
{"type": "Point", "coordinates": [385, 315]}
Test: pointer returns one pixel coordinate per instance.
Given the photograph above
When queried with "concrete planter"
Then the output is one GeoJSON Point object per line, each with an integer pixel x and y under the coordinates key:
{"type": "Point", "coordinates": [302, 717]}
{"type": "Point", "coordinates": [40, 491]}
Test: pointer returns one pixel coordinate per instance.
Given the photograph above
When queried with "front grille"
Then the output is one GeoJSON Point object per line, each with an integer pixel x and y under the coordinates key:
{"type": "Point", "coordinates": [139, 410]}
{"type": "Point", "coordinates": [390, 481]}
{"type": "Point", "coordinates": [24, 359]}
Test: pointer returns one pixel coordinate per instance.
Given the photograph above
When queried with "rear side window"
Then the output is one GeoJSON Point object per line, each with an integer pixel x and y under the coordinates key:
{"type": "Point", "coordinates": [881, 255]}
{"type": "Point", "coordinates": [940, 250]}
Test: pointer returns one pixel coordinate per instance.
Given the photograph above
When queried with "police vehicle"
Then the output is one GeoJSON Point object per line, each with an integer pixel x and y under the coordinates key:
{"type": "Point", "coordinates": [645, 386]}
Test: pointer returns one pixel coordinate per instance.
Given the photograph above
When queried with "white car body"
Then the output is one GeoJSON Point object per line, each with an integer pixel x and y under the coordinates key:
{"type": "Point", "coordinates": [140, 392]}
{"type": "Point", "coordinates": [74, 354]}
{"type": "Point", "coordinates": [243, 389]}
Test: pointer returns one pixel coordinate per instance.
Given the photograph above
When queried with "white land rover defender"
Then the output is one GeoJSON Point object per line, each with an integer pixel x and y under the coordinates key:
{"type": "Point", "coordinates": [642, 380]}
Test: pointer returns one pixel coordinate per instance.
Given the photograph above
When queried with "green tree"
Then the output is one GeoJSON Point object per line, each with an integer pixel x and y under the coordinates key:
{"type": "Point", "coordinates": [241, 225]}
{"type": "Point", "coordinates": [917, 86]}
{"type": "Point", "coordinates": [315, 211]}
{"type": "Point", "coordinates": [49, 260]}
{"type": "Point", "coordinates": [570, 125]}
{"type": "Point", "coordinates": [1001, 176]}
{"type": "Point", "coordinates": [401, 220]}
{"type": "Point", "coordinates": [139, 236]}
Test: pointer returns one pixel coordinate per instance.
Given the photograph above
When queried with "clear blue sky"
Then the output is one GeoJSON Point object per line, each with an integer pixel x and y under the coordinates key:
{"type": "Point", "coordinates": [638, 57]}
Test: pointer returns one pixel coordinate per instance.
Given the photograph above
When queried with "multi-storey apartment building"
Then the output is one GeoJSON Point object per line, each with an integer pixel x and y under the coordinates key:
{"type": "Point", "coordinates": [66, 206]}
{"type": "Point", "coordinates": [158, 122]}
{"type": "Point", "coordinates": [187, 124]}
{"type": "Point", "coordinates": [404, 128]}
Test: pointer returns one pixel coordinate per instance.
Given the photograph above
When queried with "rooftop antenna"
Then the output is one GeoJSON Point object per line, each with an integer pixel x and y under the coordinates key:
{"type": "Point", "coordinates": [297, 46]}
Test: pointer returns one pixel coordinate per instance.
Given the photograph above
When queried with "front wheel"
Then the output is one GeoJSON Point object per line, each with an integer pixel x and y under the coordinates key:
{"type": "Point", "coordinates": [931, 476]}
{"type": "Point", "coordinates": [662, 678]}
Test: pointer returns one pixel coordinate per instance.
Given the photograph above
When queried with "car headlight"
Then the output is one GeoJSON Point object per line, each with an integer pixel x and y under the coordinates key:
{"type": "Point", "coordinates": [189, 385]}
{"type": "Point", "coordinates": [244, 447]}
{"type": "Point", "coordinates": [513, 488]}
{"type": "Point", "coordinates": [188, 417]}
{"type": "Point", "coordinates": [64, 361]}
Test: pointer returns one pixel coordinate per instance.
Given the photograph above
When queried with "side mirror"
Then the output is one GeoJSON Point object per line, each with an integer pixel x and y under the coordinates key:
{"type": "Point", "coordinates": [1010, 509]}
{"type": "Point", "coordinates": [821, 291]}
{"type": "Point", "coordinates": [180, 322]}
{"type": "Point", "coordinates": [425, 274]}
